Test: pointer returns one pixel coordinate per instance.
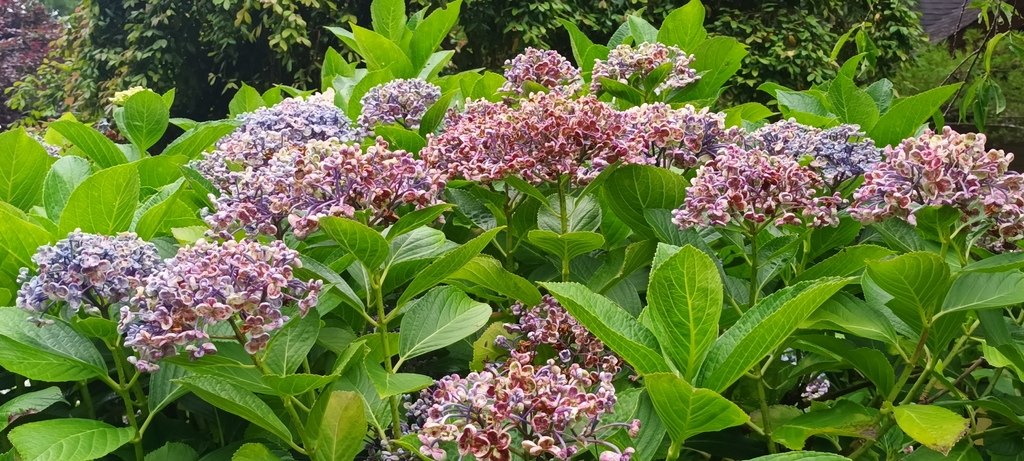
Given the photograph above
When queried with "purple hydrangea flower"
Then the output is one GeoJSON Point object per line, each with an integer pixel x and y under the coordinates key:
{"type": "Point", "coordinates": [402, 101]}
{"type": "Point", "coordinates": [209, 283]}
{"type": "Point", "coordinates": [86, 272]}
{"type": "Point", "coordinates": [840, 153]}
{"type": "Point", "coordinates": [748, 187]}
{"type": "Point", "coordinates": [551, 411]}
{"type": "Point", "coordinates": [627, 63]}
{"type": "Point", "coordinates": [679, 137]}
{"type": "Point", "coordinates": [817, 388]}
{"type": "Point", "coordinates": [547, 136]}
{"type": "Point", "coordinates": [546, 68]}
{"type": "Point", "coordinates": [549, 324]}
{"type": "Point", "coordinates": [325, 178]}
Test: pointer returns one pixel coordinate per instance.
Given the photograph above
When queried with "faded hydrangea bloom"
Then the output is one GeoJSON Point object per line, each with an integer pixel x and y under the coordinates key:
{"type": "Point", "coordinates": [627, 63]}
{"type": "Point", "coordinates": [401, 101]}
{"type": "Point", "coordinates": [546, 68]}
{"type": "Point", "coordinates": [86, 272]}
{"type": "Point", "coordinates": [547, 136]}
{"type": "Point", "coordinates": [840, 153]}
{"type": "Point", "coordinates": [291, 123]}
{"type": "Point", "coordinates": [122, 96]}
{"type": "Point", "coordinates": [817, 388]}
{"type": "Point", "coordinates": [243, 283]}
{"type": "Point", "coordinates": [746, 188]}
{"type": "Point", "coordinates": [679, 137]}
{"type": "Point", "coordinates": [325, 178]}
{"type": "Point", "coordinates": [549, 324]}
{"type": "Point", "coordinates": [550, 411]}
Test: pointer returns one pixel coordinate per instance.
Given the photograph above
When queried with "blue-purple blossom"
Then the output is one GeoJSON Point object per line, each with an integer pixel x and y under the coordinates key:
{"type": "Point", "coordinates": [246, 284]}
{"type": "Point", "coordinates": [817, 388]}
{"type": "Point", "coordinates": [626, 63]}
{"type": "Point", "coordinates": [86, 272]}
{"type": "Point", "coordinates": [401, 101]}
{"type": "Point", "coordinates": [546, 68]}
{"type": "Point", "coordinates": [679, 137]}
{"type": "Point", "coordinates": [840, 153]}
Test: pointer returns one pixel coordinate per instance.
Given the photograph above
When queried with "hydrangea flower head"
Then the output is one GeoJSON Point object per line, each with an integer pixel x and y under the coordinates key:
{"type": "Point", "coordinates": [679, 137]}
{"type": "Point", "coordinates": [840, 153]}
{"type": "Point", "coordinates": [546, 68]}
{"type": "Point", "coordinates": [325, 178]}
{"type": "Point", "coordinates": [210, 283]}
{"type": "Point", "coordinates": [549, 324]}
{"type": "Point", "coordinates": [626, 62]}
{"type": "Point", "coordinates": [748, 187]}
{"type": "Point", "coordinates": [401, 101]}
{"type": "Point", "coordinates": [86, 272]}
{"type": "Point", "coordinates": [547, 136]}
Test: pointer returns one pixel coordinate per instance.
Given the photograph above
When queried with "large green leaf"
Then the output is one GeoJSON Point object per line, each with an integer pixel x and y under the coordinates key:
{"type": "Point", "coordinates": [193, 142]}
{"type": "Point", "coordinates": [486, 272]}
{"type": "Point", "coordinates": [984, 290]}
{"type": "Point", "coordinates": [446, 265]}
{"type": "Point", "coordinates": [845, 418]}
{"type": "Point", "coordinates": [580, 44]}
{"type": "Point", "coordinates": [254, 452]}
{"type": "Point", "coordinates": [364, 243]}
{"type": "Point", "coordinates": [717, 59]}
{"type": "Point", "coordinates": [68, 439]}
{"type": "Point", "coordinates": [163, 386]}
{"type": "Point", "coordinates": [64, 176]}
{"type": "Point", "coordinates": [245, 100]}
{"type": "Point", "coordinates": [634, 188]}
{"type": "Point", "coordinates": [416, 219]}
{"type": "Point", "coordinates": [847, 262]}
{"type": "Point", "coordinates": [935, 427]}
{"type": "Point", "coordinates": [52, 353]}
{"type": "Point", "coordinates": [687, 411]}
{"type": "Point", "coordinates": [762, 329]}
{"type": "Point", "coordinates": [336, 425]}
{"type": "Point", "coordinates": [379, 53]}
{"type": "Point", "coordinates": [23, 167]}
{"type": "Point", "coordinates": [852, 104]}
{"type": "Point", "coordinates": [289, 346]}
{"type": "Point", "coordinates": [92, 143]}
{"type": "Point", "coordinates": [684, 27]}
{"type": "Point", "coordinates": [143, 119]}
{"type": "Point", "coordinates": [905, 116]}
{"type": "Point", "coordinates": [392, 384]}
{"type": "Point", "coordinates": [432, 31]}
{"type": "Point", "coordinates": [20, 238]}
{"type": "Point", "coordinates": [566, 246]}
{"type": "Point", "coordinates": [440, 318]}
{"type": "Point", "coordinates": [103, 203]}
{"type": "Point", "coordinates": [612, 325]}
{"type": "Point", "coordinates": [236, 401]}
{"type": "Point", "coordinates": [963, 451]}
{"type": "Point", "coordinates": [685, 302]}
{"type": "Point", "coordinates": [917, 281]}
{"type": "Point", "coordinates": [173, 451]}
{"type": "Point", "coordinates": [28, 404]}
{"type": "Point", "coordinates": [388, 18]}
{"type": "Point", "coordinates": [802, 456]}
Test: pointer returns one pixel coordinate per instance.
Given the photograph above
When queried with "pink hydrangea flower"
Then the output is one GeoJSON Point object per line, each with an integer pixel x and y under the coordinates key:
{"type": "Point", "coordinates": [627, 63]}
{"type": "Point", "coordinates": [546, 68]}
{"type": "Point", "coordinates": [401, 101]}
{"type": "Point", "coordinates": [679, 137]}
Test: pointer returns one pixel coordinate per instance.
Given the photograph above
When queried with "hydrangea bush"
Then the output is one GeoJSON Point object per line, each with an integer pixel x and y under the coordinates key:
{"type": "Point", "coordinates": [586, 259]}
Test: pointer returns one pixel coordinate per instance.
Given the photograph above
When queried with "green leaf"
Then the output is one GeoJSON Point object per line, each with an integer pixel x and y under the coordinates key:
{"type": "Point", "coordinates": [621, 91]}
{"type": "Point", "coordinates": [446, 265]}
{"type": "Point", "coordinates": [193, 142]}
{"type": "Point", "coordinates": [67, 439]}
{"type": "Point", "coordinates": [963, 451]}
{"type": "Point", "coordinates": [64, 176]}
{"type": "Point", "coordinates": [566, 246]}
{"type": "Point", "coordinates": [173, 451]}
{"type": "Point", "coordinates": [364, 85]}
{"type": "Point", "coordinates": [847, 262]}
{"type": "Point", "coordinates": [801, 456]}
{"type": "Point", "coordinates": [224, 368]}
{"type": "Point", "coordinates": [634, 188]}
{"type": "Point", "coordinates": [746, 112]}
{"type": "Point", "coordinates": [237, 401]}
{"type": "Point", "coordinates": [905, 116]}
{"type": "Point", "coordinates": [432, 31]}
{"type": "Point", "coordinates": [917, 281]}
{"type": "Point", "coordinates": [28, 404]}
{"type": "Point", "coordinates": [23, 167]}
{"type": "Point", "coordinates": [852, 104]}
{"type": "Point", "coordinates": [103, 203]}
{"type": "Point", "coordinates": [334, 65]}
{"type": "Point", "coordinates": [144, 119]}
{"type": "Point", "coordinates": [388, 18]}
{"type": "Point", "coordinates": [298, 383]}
{"type": "Point", "coordinates": [435, 114]}
{"type": "Point", "coordinates": [379, 53]}
{"type": "Point", "coordinates": [337, 424]}
{"type": "Point", "coordinates": [716, 59]}
{"type": "Point", "coordinates": [762, 329]}
{"type": "Point", "coordinates": [401, 138]}
{"type": "Point", "coordinates": [611, 324]}
{"type": "Point", "coordinates": [935, 427]}
{"type": "Point", "coordinates": [687, 411]}
{"type": "Point", "coordinates": [416, 219]}
{"type": "Point", "coordinates": [52, 353]}
{"type": "Point", "coordinates": [984, 290]}
{"type": "Point", "coordinates": [289, 346]}
{"type": "Point", "coordinates": [93, 144]}
{"type": "Point", "coordinates": [439, 319]}
{"type": "Point", "coordinates": [641, 30]}
{"type": "Point", "coordinates": [254, 452]}
{"type": "Point", "coordinates": [684, 303]}
{"type": "Point", "coordinates": [485, 350]}
{"type": "Point", "coordinates": [487, 272]}
{"type": "Point", "coordinates": [848, 313]}
{"type": "Point", "coordinates": [20, 238]}
{"type": "Point", "coordinates": [245, 100]}
{"type": "Point", "coordinates": [684, 26]}
{"type": "Point", "coordinates": [580, 43]}
{"type": "Point", "coordinates": [364, 243]}
{"type": "Point", "coordinates": [163, 387]}
{"type": "Point", "coordinates": [997, 263]}
{"type": "Point", "coordinates": [391, 384]}
{"type": "Point", "coordinates": [845, 418]}
{"type": "Point", "coordinates": [881, 92]}
{"type": "Point", "coordinates": [805, 107]}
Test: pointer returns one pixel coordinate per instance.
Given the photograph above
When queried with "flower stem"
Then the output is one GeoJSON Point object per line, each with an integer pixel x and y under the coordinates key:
{"type": "Point", "coordinates": [762, 399]}
{"type": "Point", "coordinates": [121, 388]}
{"type": "Point", "coordinates": [382, 326]}
{"type": "Point", "coordinates": [563, 214]}
{"type": "Point", "coordinates": [754, 249]}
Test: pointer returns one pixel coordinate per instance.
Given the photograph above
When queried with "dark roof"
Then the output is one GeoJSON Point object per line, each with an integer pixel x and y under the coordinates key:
{"type": "Point", "coordinates": [942, 18]}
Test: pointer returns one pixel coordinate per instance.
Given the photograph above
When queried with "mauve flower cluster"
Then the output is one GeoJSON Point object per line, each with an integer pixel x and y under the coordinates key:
{"type": "Point", "coordinates": [86, 272]}
{"type": "Point", "coordinates": [546, 68]}
{"type": "Point", "coordinates": [209, 283]}
{"type": "Point", "coordinates": [552, 410]}
{"type": "Point", "coordinates": [549, 324]}
{"type": "Point", "coordinates": [625, 63]}
{"type": "Point", "coordinates": [817, 388]}
{"type": "Point", "coordinates": [547, 136]}
{"type": "Point", "coordinates": [947, 169]}
{"type": "Point", "coordinates": [679, 137]}
{"type": "Point", "coordinates": [401, 101]}
{"type": "Point", "coordinates": [292, 122]}
{"type": "Point", "coordinates": [840, 153]}
{"type": "Point", "coordinates": [742, 187]}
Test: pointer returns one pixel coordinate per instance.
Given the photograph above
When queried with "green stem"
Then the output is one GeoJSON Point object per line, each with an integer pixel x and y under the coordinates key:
{"type": "Point", "coordinates": [754, 289]}
{"type": "Point", "coordinates": [122, 391]}
{"type": "Point", "coordinates": [564, 216]}
{"type": "Point", "coordinates": [378, 295]}
{"type": "Point", "coordinates": [766, 426]}
{"type": "Point", "coordinates": [83, 390]}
